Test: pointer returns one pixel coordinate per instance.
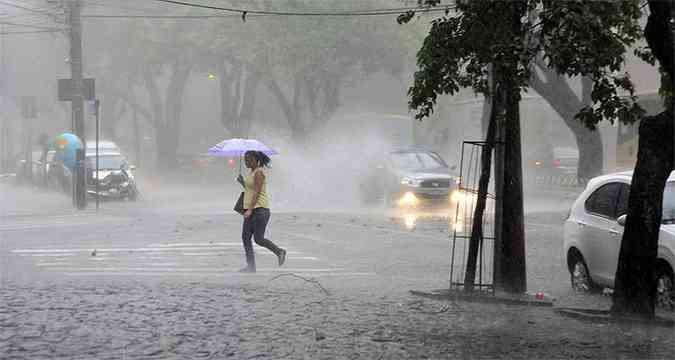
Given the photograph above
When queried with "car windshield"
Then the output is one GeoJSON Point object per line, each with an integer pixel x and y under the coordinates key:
{"type": "Point", "coordinates": [108, 162]}
{"type": "Point", "coordinates": [417, 160]}
{"type": "Point", "coordinates": [669, 203]}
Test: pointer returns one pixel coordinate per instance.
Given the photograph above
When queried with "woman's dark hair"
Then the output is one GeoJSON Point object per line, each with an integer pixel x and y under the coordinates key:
{"type": "Point", "coordinates": [260, 157]}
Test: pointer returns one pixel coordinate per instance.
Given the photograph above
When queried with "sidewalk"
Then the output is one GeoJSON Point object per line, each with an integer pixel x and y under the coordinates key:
{"type": "Point", "coordinates": [289, 318]}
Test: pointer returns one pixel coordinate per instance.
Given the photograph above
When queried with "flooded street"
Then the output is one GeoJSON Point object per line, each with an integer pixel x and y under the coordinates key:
{"type": "Point", "coordinates": [159, 280]}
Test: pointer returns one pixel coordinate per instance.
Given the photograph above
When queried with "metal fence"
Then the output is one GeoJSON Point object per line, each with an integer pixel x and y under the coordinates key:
{"type": "Point", "coordinates": [464, 203]}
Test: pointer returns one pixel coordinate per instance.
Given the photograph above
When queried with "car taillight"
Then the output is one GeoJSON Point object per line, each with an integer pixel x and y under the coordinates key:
{"type": "Point", "coordinates": [556, 163]}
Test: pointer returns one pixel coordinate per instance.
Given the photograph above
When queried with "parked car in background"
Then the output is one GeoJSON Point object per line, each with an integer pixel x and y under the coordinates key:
{"type": "Point", "coordinates": [410, 177]}
{"type": "Point", "coordinates": [104, 146]}
{"type": "Point", "coordinates": [594, 228]}
{"type": "Point", "coordinates": [115, 176]}
{"type": "Point", "coordinates": [556, 161]}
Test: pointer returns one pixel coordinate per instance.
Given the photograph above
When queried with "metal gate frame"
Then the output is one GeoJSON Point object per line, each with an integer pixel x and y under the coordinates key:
{"type": "Point", "coordinates": [470, 167]}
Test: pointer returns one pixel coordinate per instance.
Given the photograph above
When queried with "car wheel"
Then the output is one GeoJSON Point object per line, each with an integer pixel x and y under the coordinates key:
{"type": "Point", "coordinates": [665, 297]}
{"type": "Point", "coordinates": [580, 278]}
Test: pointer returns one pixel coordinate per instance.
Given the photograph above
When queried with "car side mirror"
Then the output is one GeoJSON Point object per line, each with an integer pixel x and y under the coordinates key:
{"type": "Point", "coordinates": [621, 220]}
{"type": "Point", "coordinates": [453, 167]}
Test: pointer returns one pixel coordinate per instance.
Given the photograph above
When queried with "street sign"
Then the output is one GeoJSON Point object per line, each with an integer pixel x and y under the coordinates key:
{"type": "Point", "coordinates": [66, 89]}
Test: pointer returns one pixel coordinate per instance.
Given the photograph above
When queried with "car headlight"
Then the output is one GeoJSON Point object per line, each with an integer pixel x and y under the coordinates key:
{"type": "Point", "coordinates": [411, 182]}
{"type": "Point", "coordinates": [124, 184]}
{"type": "Point", "coordinates": [408, 200]}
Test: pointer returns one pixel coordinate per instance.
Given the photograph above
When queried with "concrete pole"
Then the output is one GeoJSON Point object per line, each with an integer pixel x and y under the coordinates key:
{"type": "Point", "coordinates": [79, 185]}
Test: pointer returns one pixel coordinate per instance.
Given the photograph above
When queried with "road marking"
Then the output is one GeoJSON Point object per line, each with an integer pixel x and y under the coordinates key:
{"type": "Point", "coordinates": [51, 264]}
{"type": "Point", "coordinates": [165, 250]}
{"type": "Point", "coordinates": [189, 270]}
{"type": "Point", "coordinates": [219, 274]}
{"type": "Point", "coordinates": [103, 250]}
{"type": "Point", "coordinates": [209, 244]}
{"type": "Point", "coordinates": [48, 255]}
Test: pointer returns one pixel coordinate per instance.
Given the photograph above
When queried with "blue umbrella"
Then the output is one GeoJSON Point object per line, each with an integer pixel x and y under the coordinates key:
{"type": "Point", "coordinates": [238, 147]}
{"type": "Point", "coordinates": [66, 146]}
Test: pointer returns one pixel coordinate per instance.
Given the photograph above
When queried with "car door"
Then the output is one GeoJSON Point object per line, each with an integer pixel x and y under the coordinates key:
{"type": "Point", "coordinates": [613, 243]}
{"type": "Point", "coordinates": [598, 229]}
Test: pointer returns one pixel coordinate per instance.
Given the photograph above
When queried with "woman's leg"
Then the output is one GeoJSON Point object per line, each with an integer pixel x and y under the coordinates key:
{"type": "Point", "coordinates": [261, 217]}
{"type": "Point", "coordinates": [246, 234]}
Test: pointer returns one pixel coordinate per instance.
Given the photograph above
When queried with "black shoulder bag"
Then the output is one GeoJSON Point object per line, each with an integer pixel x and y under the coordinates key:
{"type": "Point", "coordinates": [239, 206]}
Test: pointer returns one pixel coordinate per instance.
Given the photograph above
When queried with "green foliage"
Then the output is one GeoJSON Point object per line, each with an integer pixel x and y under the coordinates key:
{"type": "Point", "coordinates": [587, 38]}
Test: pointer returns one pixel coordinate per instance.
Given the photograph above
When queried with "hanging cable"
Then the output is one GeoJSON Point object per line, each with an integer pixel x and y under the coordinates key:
{"type": "Point", "coordinates": [37, 11]}
{"type": "Point", "coordinates": [245, 12]}
{"type": "Point", "coordinates": [29, 32]}
{"type": "Point", "coordinates": [29, 25]}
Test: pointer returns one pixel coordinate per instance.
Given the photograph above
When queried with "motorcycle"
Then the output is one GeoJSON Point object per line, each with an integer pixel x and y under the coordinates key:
{"type": "Point", "coordinates": [116, 185]}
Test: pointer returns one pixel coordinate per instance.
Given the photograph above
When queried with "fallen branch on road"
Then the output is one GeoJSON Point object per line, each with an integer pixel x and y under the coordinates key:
{"type": "Point", "coordinates": [313, 281]}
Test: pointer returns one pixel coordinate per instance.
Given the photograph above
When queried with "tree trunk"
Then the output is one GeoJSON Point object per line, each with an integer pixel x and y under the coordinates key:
{"type": "Point", "coordinates": [250, 94]}
{"type": "Point", "coordinates": [635, 281]}
{"type": "Point", "coordinates": [289, 109]}
{"type": "Point", "coordinates": [510, 272]}
{"type": "Point", "coordinates": [477, 227]}
{"type": "Point", "coordinates": [559, 94]}
{"type": "Point", "coordinates": [167, 115]}
{"type": "Point", "coordinates": [169, 142]}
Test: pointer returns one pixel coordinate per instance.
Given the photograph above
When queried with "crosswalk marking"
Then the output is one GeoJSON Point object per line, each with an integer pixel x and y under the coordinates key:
{"type": "Point", "coordinates": [22, 224]}
{"type": "Point", "coordinates": [101, 251]}
{"type": "Point", "coordinates": [161, 259]}
{"type": "Point", "coordinates": [216, 273]}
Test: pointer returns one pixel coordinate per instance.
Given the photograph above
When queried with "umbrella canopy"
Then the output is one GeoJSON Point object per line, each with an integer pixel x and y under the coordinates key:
{"type": "Point", "coordinates": [66, 145]}
{"type": "Point", "coordinates": [238, 147]}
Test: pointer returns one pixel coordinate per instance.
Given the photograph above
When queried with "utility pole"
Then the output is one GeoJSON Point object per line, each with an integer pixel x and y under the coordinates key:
{"type": "Point", "coordinates": [77, 103]}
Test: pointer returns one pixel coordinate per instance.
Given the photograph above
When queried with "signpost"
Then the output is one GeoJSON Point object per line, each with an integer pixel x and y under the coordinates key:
{"type": "Point", "coordinates": [97, 104]}
{"type": "Point", "coordinates": [66, 89]}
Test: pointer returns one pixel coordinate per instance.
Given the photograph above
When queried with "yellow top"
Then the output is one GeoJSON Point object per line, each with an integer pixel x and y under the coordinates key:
{"type": "Point", "coordinates": [249, 190]}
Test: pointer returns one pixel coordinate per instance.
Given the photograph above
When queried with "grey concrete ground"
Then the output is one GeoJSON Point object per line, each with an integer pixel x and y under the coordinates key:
{"type": "Point", "coordinates": [158, 279]}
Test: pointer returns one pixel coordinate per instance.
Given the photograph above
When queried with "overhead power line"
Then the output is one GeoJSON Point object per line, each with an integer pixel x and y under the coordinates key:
{"type": "Point", "coordinates": [374, 12]}
{"type": "Point", "coordinates": [29, 25]}
{"type": "Point", "coordinates": [43, 12]}
{"type": "Point", "coordinates": [99, 16]}
{"type": "Point", "coordinates": [28, 32]}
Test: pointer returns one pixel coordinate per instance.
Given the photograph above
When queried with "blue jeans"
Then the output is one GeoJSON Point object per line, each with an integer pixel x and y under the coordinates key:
{"type": "Point", "coordinates": [254, 227]}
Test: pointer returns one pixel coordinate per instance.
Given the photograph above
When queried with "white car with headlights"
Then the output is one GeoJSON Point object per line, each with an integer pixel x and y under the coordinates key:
{"type": "Point", "coordinates": [594, 228]}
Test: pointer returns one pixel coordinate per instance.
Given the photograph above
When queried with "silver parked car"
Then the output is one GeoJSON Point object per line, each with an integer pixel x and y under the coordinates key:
{"type": "Point", "coordinates": [594, 228]}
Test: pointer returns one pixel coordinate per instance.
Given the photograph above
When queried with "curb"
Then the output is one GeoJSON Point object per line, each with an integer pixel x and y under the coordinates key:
{"type": "Point", "coordinates": [487, 297]}
{"type": "Point", "coordinates": [604, 316]}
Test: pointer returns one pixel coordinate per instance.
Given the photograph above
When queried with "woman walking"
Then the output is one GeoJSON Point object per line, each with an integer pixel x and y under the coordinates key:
{"type": "Point", "coordinates": [257, 214]}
